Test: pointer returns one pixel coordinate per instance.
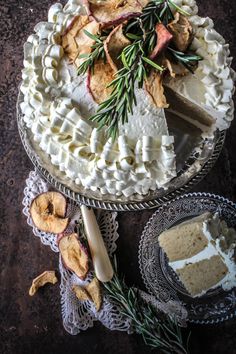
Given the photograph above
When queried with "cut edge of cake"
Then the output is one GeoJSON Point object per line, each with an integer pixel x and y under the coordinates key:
{"type": "Point", "coordinates": [212, 243]}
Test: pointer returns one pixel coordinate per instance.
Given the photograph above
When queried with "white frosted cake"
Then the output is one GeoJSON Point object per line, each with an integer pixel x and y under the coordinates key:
{"type": "Point", "coordinates": [202, 253]}
{"type": "Point", "coordinates": [58, 105]}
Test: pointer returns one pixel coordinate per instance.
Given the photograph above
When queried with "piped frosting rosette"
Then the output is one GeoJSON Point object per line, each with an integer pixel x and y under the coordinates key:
{"type": "Point", "coordinates": [57, 106]}
{"type": "Point", "coordinates": [86, 157]}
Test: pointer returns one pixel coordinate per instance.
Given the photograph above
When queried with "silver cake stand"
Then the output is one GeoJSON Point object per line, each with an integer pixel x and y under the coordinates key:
{"type": "Point", "coordinates": [194, 156]}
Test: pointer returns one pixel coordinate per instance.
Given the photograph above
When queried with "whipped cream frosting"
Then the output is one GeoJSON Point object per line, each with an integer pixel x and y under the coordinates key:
{"type": "Point", "coordinates": [57, 106]}
{"type": "Point", "coordinates": [222, 242]}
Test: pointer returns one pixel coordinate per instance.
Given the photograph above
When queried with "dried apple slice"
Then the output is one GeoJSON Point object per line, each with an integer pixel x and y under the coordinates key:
{"type": "Point", "coordinates": [99, 79]}
{"type": "Point", "coordinates": [75, 42]}
{"type": "Point", "coordinates": [103, 73]}
{"type": "Point", "coordinates": [94, 290]}
{"type": "Point", "coordinates": [91, 292]}
{"type": "Point", "coordinates": [113, 46]}
{"type": "Point", "coordinates": [163, 39]}
{"type": "Point", "coordinates": [46, 277]}
{"type": "Point", "coordinates": [81, 293]}
{"type": "Point", "coordinates": [155, 89]}
{"type": "Point", "coordinates": [175, 69]}
{"type": "Point", "coordinates": [48, 212]}
{"type": "Point", "coordinates": [74, 255]}
{"type": "Point", "coordinates": [69, 37]}
{"type": "Point", "coordinates": [114, 12]}
{"type": "Point", "coordinates": [181, 31]}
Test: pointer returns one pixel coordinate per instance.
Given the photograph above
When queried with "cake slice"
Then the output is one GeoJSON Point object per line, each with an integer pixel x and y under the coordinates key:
{"type": "Point", "coordinates": [201, 252]}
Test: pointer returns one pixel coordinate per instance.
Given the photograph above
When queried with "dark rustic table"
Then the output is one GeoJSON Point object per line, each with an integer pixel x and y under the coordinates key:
{"type": "Point", "coordinates": [33, 325]}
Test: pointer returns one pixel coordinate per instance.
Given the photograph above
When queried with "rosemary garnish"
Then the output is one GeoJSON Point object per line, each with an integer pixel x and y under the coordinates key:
{"type": "Point", "coordinates": [136, 66]}
{"type": "Point", "coordinates": [136, 63]}
{"type": "Point", "coordinates": [187, 60]}
{"type": "Point", "coordinates": [97, 53]}
{"type": "Point", "coordinates": [160, 332]}
{"type": "Point", "coordinates": [120, 103]}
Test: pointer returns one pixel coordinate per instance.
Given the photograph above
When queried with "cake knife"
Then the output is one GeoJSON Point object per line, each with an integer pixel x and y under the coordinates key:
{"type": "Point", "coordinates": [101, 261]}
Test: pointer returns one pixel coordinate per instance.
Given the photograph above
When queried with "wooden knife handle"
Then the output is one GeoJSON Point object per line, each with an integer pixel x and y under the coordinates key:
{"type": "Point", "coordinates": [101, 261]}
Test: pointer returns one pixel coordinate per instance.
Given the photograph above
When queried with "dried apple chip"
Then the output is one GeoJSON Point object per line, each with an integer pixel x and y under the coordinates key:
{"type": "Point", "coordinates": [181, 31]}
{"type": "Point", "coordinates": [99, 79]}
{"type": "Point", "coordinates": [103, 73]}
{"type": "Point", "coordinates": [46, 277]}
{"type": "Point", "coordinates": [90, 292]}
{"type": "Point", "coordinates": [114, 12]}
{"type": "Point", "coordinates": [94, 291]}
{"type": "Point", "coordinates": [81, 293]}
{"type": "Point", "coordinates": [175, 69]}
{"type": "Point", "coordinates": [154, 87]}
{"type": "Point", "coordinates": [75, 41]}
{"type": "Point", "coordinates": [113, 45]}
{"type": "Point", "coordinates": [74, 254]}
{"type": "Point", "coordinates": [48, 212]}
{"type": "Point", "coordinates": [163, 39]}
{"type": "Point", "coordinates": [68, 39]}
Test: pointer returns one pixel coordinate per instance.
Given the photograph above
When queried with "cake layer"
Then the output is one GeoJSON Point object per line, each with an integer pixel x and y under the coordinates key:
{"type": "Point", "coordinates": [201, 276]}
{"type": "Point", "coordinates": [184, 240]}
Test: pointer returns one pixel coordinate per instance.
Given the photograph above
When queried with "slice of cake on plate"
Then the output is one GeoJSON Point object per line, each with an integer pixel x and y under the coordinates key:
{"type": "Point", "coordinates": [202, 253]}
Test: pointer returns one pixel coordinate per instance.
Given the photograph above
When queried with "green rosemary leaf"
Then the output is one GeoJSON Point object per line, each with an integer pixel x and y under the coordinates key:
{"type": "Point", "coordinates": [132, 36]}
{"type": "Point", "coordinates": [162, 333]}
{"type": "Point", "coordinates": [92, 36]}
{"type": "Point", "coordinates": [81, 56]}
{"type": "Point", "coordinates": [184, 55]}
{"type": "Point", "coordinates": [124, 61]}
{"type": "Point", "coordinates": [153, 64]}
{"type": "Point", "coordinates": [163, 11]}
{"type": "Point", "coordinates": [187, 60]}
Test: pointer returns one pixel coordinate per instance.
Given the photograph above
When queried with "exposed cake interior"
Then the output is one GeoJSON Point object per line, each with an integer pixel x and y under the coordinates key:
{"type": "Point", "coordinates": [203, 275]}
{"type": "Point", "coordinates": [188, 110]}
{"type": "Point", "coordinates": [201, 251]}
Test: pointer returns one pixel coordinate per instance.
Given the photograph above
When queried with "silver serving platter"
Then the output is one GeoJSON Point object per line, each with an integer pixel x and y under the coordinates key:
{"type": "Point", "coordinates": [216, 305]}
{"type": "Point", "coordinates": [195, 158]}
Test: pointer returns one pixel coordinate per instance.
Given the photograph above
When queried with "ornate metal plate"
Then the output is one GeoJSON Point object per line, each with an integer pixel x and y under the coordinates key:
{"type": "Point", "coordinates": [195, 158]}
{"type": "Point", "coordinates": [216, 305]}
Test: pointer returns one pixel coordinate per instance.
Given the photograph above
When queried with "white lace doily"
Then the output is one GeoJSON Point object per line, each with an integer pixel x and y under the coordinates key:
{"type": "Point", "coordinates": [79, 315]}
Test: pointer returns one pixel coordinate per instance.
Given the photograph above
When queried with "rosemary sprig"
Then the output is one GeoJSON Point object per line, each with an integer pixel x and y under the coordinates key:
{"type": "Point", "coordinates": [144, 25]}
{"type": "Point", "coordinates": [157, 332]}
{"type": "Point", "coordinates": [122, 99]}
{"type": "Point", "coordinates": [136, 66]}
{"type": "Point", "coordinates": [187, 60]}
{"type": "Point", "coordinates": [97, 53]}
